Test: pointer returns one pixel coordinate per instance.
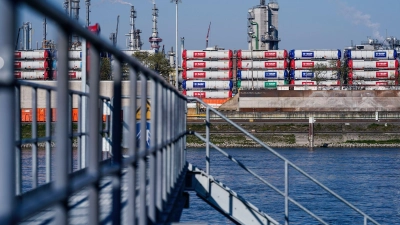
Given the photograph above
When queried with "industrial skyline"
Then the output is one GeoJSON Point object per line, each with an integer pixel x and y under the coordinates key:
{"type": "Point", "coordinates": [303, 25]}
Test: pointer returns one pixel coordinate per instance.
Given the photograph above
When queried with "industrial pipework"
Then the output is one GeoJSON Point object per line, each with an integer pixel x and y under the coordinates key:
{"type": "Point", "coordinates": [154, 39]}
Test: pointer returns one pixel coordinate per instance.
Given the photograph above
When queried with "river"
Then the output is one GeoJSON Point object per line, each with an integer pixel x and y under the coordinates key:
{"type": "Point", "coordinates": [369, 178]}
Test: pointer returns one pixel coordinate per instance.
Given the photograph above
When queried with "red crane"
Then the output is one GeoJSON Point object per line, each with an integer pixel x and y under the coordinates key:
{"type": "Point", "coordinates": [208, 33]}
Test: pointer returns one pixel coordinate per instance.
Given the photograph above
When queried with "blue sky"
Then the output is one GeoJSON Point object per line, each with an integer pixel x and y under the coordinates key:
{"type": "Point", "coordinates": [305, 24]}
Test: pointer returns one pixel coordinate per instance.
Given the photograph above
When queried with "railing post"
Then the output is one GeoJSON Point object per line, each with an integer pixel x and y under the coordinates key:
{"type": "Point", "coordinates": [83, 111]}
{"type": "Point", "coordinates": [208, 141]}
{"type": "Point", "coordinates": [18, 159]}
{"type": "Point", "coordinates": [61, 173]}
{"type": "Point", "coordinates": [116, 143]}
{"type": "Point", "coordinates": [34, 136]}
{"type": "Point", "coordinates": [94, 134]}
{"type": "Point", "coordinates": [48, 134]}
{"type": "Point", "coordinates": [133, 150]}
{"type": "Point", "coordinates": [142, 148]}
{"type": "Point", "coordinates": [311, 131]}
{"type": "Point", "coordinates": [286, 193]}
{"type": "Point", "coordinates": [7, 111]}
{"type": "Point", "coordinates": [153, 156]}
{"type": "Point", "coordinates": [160, 138]}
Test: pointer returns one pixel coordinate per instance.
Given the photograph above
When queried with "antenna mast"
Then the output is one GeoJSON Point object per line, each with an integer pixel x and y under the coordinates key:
{"type": "Point", "coordinates": [208, 33]}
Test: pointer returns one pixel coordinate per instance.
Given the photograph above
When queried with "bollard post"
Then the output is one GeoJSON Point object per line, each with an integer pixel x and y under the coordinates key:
{"type": "Point", "coordinates": [311, 122]}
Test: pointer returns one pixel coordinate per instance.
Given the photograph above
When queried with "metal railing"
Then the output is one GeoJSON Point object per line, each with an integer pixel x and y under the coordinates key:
{"type": "Point", "coordinates": [287, 165]}
{"type": "Point", "coordinates": [152, 171]}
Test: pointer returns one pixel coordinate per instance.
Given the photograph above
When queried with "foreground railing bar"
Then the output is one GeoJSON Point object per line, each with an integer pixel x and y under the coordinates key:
{"type": "Point", "coordinates": [116, 137]}
{"type": "Point", "coordinates": [142, 149]}
{"type": "Point", "coordinates": [284, 159]}
{"type": "Point", "coordinates": [173, 150]}
{"type": "Point", "coordinates": [159, 147]}
{"type": "Point", "coordinates": [94, 135]}
{"type": "Point", "coordinates": [18, 150]}
{"type": "Point", "coordinates": [70, 139]}
{"type": "Point", "coordinates": [48, 134]}
{"type": "Point", "coordinates": [64, 21]}
{"type": "Point", "coordinates": [286, 193]}
{"type": "Point", "coordinates": [132, 213]}
{"type": "Point", "coordinates": [61, 171]}
{"type": "Point", "coordinates": [152, 156]}
{"type": "Point", "coordinates": [8, 14]}
{"type": "Point", "coordinates": [80, 139]}
{"type": "Point", "coordinates": [78, 180]}
{"type": "Point", "coordinates": [164, 150]}
{"type": "Point", "coordinates": [168, 153]}
{"type": "Point", "coordinates": [34, 137]}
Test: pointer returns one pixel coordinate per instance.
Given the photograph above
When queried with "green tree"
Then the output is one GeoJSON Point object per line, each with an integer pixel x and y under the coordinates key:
{"type": "Point", "coordinates": [154, 61]}
{"type": "Point", "coordinates": [105, 69]}
{"type": "Point", "coordinates": [341, 72]}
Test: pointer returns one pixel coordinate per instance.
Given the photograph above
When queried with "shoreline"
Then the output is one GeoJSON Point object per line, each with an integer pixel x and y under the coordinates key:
{"type": "Point", "coordinates": [275, 145]}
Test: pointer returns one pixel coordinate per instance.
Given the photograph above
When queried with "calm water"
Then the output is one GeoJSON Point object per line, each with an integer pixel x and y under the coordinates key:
{"type": "Point", "coordinates": [367, 178]}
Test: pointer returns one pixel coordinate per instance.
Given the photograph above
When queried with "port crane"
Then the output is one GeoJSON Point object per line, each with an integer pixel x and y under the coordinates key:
{"type": "Point", "coordinates": [114, 36]}
{"type": "Point", "coordinates": [208, 33]}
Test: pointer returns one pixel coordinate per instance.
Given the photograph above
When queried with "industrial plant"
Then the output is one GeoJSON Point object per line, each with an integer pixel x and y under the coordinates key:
{"type": "Point", "coordinates": [216, 74]}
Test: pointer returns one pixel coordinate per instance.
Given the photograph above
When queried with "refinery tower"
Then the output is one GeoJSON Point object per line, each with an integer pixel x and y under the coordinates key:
{"type": "Point", "coordinates": [263, 26]}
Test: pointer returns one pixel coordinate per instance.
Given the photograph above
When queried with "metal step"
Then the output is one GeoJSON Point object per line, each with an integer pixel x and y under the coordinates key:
{"type": "Point", "coordinates": [223, 199]}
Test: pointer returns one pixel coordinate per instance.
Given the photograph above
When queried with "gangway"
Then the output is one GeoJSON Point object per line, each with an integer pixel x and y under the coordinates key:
{"type": "Point", "coordinates": [137, 185]}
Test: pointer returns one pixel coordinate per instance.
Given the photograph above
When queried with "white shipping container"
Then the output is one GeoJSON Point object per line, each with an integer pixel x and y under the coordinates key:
{"type": "Point", "coordinates": [42, 75]}
{"type": "Point", "coordinates": [371, 54]}
{"type": "Point", "coordinates": [208, 94]}
{"type": "Point", "coordinates": [212, 84]}
{"type": "Point", "coordinates": [307, 74]}
{"type": "Point", "coordinates": [270, 64]}
{"type": "Point", "coordinates": [380, 65]}
{"type": "Point", "coordinates": [35, 54]}
{"type": "Point", "coordinates": [72, 65]}
{"type": "Point", "coordinates": [313, 82]}
{"type": "Point", "coordinates": [270, 84]}
{"type": "Point", "coordinates": [315, 54]}
{"type": "Point", "coordinates": [269, 54]}
{"type": "Point", "coordinates": [200, 54]}
{"type": "Point", "coordinates": [262, 74]}
{"type": "Point", "coordinates": [75, 54]}
{"type": "Point", "coordinates": [73, 75]}
{"type": "Point", "coordinates": [373, 82]}
{"type": "Point", "coordinates": [380, 74]}
{"type": "Point", "coordinates": [307, 64]}
{"type": "Point", "coordinates": [39, 65]}
{"type": "Point", "coordinates": [223, 65]}
{"type": "Point", "coordinates": [199, 74]}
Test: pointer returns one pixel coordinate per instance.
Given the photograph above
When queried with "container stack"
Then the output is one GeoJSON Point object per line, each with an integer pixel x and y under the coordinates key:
{"type": "Point", "coordinates": [74, 65]}
{"type": "Point", "coordinates": [32, 64]}
{"type": "Point", "coordinates": [314, 69]}
{"type": "Point", "coordinates": [372, 69]}
{"type": "Point", "coordinates": [208, 75]}
{"type": "Point", "coordinates": [266, 69]}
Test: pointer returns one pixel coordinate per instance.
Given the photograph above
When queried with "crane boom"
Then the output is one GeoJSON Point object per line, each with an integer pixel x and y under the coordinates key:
{"type": "Point", "coordinates": [116, 31]}
{"type": "Point", "coordinates": [208, 34]}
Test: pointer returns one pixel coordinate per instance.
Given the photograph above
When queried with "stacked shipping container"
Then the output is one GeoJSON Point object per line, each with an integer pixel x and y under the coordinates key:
{"type": "Point", "coordinates": [311, 69]}
{"type": "Point", "coordinates": [208, 75]}
{"type": "Point", "coordinates": [372, 68]}
{"type": "Point", "coordinates": [262, 69]}
{"type": "Point", "coordinates": [74, 65]}
{"type": "Point", "coordinates": [32, 64]}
